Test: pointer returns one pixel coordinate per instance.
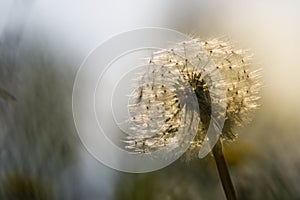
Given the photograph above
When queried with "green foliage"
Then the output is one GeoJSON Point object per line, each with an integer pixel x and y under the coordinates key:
{"type": "Point", "coordinates": [17, 186]}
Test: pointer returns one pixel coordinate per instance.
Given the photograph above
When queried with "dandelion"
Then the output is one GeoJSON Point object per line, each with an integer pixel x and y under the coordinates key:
{"type": "Point", "coordinates": [162, 108]}
{"type": "Point", "coordinates": [157, 105]}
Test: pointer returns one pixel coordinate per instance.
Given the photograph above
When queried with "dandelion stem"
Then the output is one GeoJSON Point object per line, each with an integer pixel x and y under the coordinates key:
{"type": "Point", "coordinates": [223, 171]}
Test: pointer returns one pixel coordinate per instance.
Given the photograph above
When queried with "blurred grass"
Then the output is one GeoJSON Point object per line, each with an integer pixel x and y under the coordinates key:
{"type": "Point", "coordinates": [6, 95]}
{"type": "Point", "coordinates": [18, 186]}
{"type": "Point", "coordinates": [37, 139]}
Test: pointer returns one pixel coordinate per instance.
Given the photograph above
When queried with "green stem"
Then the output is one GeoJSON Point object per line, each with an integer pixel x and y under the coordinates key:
{"type": "Point", "coordinates": [223, 171]}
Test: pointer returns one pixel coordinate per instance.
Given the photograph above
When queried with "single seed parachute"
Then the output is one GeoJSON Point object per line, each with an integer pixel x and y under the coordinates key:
{"type": "Point", "coordinates": [220, 77]}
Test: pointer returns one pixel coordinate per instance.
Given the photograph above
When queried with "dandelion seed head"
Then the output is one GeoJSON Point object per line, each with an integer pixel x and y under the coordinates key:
{"type": "Point", "coordinates": [161, 105]}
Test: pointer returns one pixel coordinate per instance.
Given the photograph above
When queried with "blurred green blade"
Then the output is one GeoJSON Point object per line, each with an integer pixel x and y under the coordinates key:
{"type": "Point", "coordinates": [6, 95]}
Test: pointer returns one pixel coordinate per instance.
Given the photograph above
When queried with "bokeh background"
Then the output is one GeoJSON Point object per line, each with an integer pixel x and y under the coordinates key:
{"type": "Point", "coordinates": [42, 44]}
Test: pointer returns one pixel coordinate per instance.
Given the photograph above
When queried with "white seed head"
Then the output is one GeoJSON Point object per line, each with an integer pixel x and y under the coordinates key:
{"type": "Point", "coordinates": [161, 108]}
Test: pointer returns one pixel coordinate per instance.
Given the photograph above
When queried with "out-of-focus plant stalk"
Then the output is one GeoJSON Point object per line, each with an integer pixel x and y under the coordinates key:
{"type": "Point", "coordinates": [6, 95]}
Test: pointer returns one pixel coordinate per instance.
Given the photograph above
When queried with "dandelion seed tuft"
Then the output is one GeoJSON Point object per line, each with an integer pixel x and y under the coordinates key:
{"type": "Point", "coordinates": [160, 105]}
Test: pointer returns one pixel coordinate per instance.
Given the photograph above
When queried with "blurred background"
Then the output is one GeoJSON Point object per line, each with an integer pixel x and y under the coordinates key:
{"type": "Point", "coordinates": [42, 44]}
